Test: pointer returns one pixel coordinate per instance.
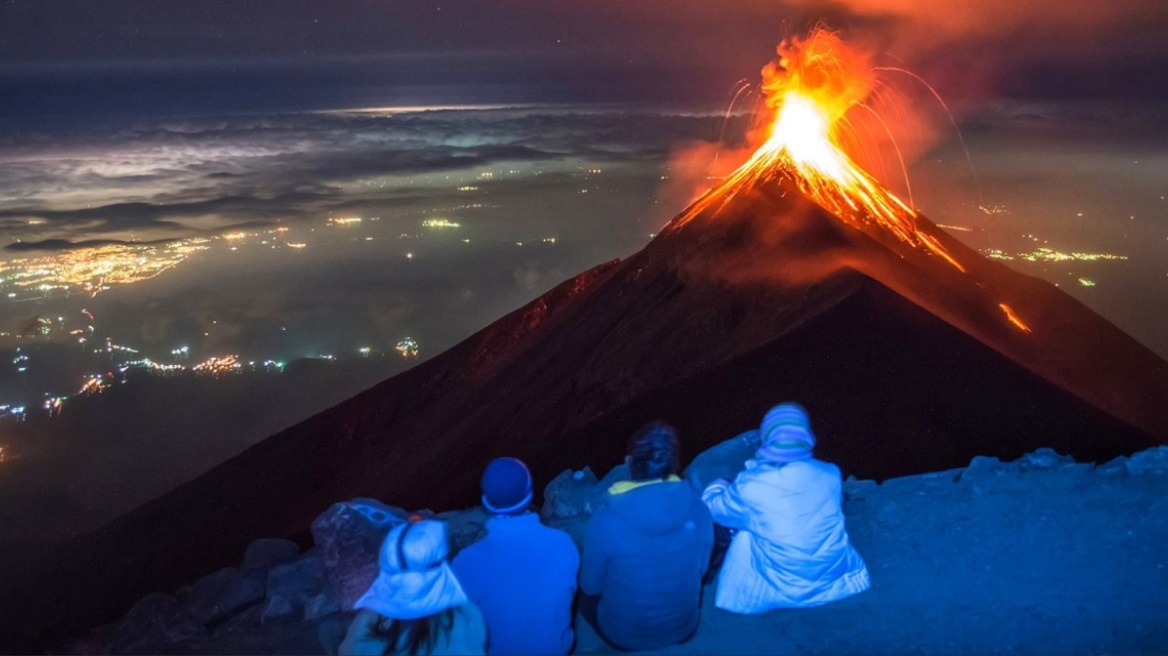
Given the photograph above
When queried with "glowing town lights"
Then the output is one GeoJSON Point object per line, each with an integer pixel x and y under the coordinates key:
{"type": "Point", "coordinates": [235, 236]}
{"type": "Point", "coordinates": [365, 351]}
{"type": "Point", "coordinates": [407, 348]}
{"type": "Point", "coordinates": [1086, 282]}
{"type": "Point", "coordinates": [53, 405]}
{"type": "Point", "coordinates": [3, 452]}
{"type": "Point", "coordinates": [296, 244]}
{"type": "Point", "coordinates": [93, 385]}
{"type": "Point", "coordinates": [467, 188]}
{"type": "Point", "coordinates": [344, 221]}
{"type": "Point", "coordinates": [93, 270]}
{"type": "Point", "coordinates": [216, 366]}
{"type": "Point", "coordinates": [439, 224]}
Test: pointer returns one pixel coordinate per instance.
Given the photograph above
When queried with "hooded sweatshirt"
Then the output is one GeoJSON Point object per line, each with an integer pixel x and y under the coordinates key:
{"type": "Point", "coordinates": [645, 551]}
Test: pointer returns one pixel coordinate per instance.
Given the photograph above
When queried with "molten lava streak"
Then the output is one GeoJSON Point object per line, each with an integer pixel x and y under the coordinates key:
{"type": "Point", "coordinates": [811, 88]}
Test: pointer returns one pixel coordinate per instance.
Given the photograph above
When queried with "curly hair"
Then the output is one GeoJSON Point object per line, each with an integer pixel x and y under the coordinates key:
{"type": "Point", "coordinates": [654, 452]}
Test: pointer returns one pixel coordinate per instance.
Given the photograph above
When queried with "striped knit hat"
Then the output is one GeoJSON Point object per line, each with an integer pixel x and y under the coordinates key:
{"type": "Point", "coordinates": [786, 434]}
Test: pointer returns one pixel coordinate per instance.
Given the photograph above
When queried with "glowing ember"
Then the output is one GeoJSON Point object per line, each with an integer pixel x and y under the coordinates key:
{"type": "Point", "coordinates": [811, 88]}
{"type": "Point", "coordinates": [1014, 318]}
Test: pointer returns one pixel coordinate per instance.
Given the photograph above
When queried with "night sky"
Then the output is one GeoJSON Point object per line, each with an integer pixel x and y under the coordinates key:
{"type": "Point", "coordinates": [224, 150]}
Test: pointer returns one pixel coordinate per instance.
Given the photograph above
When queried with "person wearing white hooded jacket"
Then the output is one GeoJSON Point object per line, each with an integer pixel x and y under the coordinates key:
{"type": "Point", "coordinates": [790, 548]}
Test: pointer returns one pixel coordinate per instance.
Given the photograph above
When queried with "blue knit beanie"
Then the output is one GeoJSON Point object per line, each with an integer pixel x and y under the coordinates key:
{"type": "Point", "coordinates": [786, 434]}
{"type": "Point", "coordinates": [506, 486]}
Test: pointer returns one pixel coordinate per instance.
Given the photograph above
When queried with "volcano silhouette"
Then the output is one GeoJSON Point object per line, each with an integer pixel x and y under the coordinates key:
{"type": "Point", "coordinates": [905, 363]}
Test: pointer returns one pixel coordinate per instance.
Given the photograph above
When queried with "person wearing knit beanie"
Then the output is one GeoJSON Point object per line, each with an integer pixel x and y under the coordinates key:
{"type": "Point", "coordinates": [785, 434]}
{"type": "Point", "coordinates": [790, 548]}
{"type": "Point", "coordinates": [507, 487]}
{"type": "Point", "coordinates": [522, 574]}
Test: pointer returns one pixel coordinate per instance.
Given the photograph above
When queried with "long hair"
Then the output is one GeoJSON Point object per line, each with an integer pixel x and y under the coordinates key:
{"type": "Point", "coordinates": [654, 452]}
{"type": "Point", "coordinates": [417, 636]}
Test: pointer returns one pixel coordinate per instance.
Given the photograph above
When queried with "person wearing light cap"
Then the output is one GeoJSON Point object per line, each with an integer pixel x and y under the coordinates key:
{"type": "Point", "coordinates": [522, 574]}
{"type": "Point", "coordinates": [790, 548]}
{"type": "Point", "coordinates": [416, 605]}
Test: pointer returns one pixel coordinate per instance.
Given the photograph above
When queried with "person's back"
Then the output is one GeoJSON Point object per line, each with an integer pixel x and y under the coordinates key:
{"type": "Point", "coordinates": [791, 548]}
{"type": "Point", "coordinates": [458, 630]}
{"type": "Point", "coordinates": [645, 551]}
{"type": "Point", "coordinates": [416, 604]}
{"type": "Point", "coordinates": [522, 574]}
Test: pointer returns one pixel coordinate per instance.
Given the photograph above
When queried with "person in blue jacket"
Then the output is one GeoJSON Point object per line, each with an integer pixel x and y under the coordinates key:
{"type": "Point", "coordinates": [647, 547]}
{"type": "Point", "coordinates": [522, 575]}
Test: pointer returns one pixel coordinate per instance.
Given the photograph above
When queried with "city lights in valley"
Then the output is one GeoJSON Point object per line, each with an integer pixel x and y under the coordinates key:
{"type": "Point", "coordinates": [407, 348]}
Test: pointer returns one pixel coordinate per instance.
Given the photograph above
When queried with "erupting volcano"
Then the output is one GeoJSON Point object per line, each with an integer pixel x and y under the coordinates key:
{"type": "Point", "coordinates": [798, 278]}
{"type": "Point", "coordinates": [812, 87]}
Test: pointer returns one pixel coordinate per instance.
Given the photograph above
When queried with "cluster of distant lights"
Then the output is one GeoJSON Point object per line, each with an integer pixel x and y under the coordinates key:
{"type": "Point", "coordinates": [97, 269]}
{"type": "Point", "coordinates": [215, 366]}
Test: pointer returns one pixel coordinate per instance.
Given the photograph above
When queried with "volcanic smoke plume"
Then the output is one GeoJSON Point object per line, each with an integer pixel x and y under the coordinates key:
{"type": "Point", "coordinates": [798, 278]}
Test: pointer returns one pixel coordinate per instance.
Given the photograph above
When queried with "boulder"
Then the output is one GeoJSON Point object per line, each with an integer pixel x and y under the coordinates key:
{"type": "Point", "coordinates": [569, 495]}
{"type": "Point", "coordinates": [1152, 461]}
{"type": "Point", "coordinates": [155, 621]}
{"type": "Point", "coordinates": [723, 460]}
{"type": "Point", "coordinates": [348, 536]}
{"type": "Point", "coordinates": [981, 468]}
{"type": "Point", "coordinates": [220, 595]}
{"type": "Point", "coordinates": [291, 585]}
{"type": "Point", "coordinates": [466, 527]}
{"type": "Point", "coordinates": [266, 552]}
{"type": "Point", "coordinates": [1044, 458]}
{"type": "Point", "coordinates": [322, 604]}
{"type": "Point", "coordinates": [855, 488]}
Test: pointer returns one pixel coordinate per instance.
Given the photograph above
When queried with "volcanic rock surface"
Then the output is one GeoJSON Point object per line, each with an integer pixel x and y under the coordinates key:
{"type": "Point", "coordinates": [905, 363]}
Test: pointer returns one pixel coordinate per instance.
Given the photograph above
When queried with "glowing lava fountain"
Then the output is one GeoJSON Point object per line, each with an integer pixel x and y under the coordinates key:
{"type": "Point", "coordinates": [811, 87]}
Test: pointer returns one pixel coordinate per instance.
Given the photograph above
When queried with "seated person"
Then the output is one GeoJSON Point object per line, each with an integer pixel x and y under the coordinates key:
{"type": "Point", "coordinates": [523, 574]}
{"type": "Point", "coordinates": [416, 605]}
{"type": "Point", "coordinates": [790, 548]}
{"type": "Point", "coordinates": [646, 549]}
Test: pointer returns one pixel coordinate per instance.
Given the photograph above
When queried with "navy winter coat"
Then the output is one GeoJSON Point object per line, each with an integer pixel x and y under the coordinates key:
{"type": "Point", "coordinates": [645, 552]}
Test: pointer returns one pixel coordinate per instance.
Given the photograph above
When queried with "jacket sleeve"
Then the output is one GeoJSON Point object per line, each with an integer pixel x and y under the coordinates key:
{"type": "Point", "coordinates": [726, 504]}
{"type": "Point", "coordinates": [595, 557]}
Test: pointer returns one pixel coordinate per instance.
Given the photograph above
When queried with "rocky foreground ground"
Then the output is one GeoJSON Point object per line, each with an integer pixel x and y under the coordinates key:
{"type": "Point", "coordinates": [1039, 555]}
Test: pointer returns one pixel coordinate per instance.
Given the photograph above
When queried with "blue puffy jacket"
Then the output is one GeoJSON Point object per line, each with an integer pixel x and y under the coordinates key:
{"type": "Point", "coordinates": [645, 551]}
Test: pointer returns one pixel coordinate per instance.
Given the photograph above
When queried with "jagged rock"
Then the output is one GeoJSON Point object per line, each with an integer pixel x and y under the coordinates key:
{"type": "Point", "coordinates": [569, 495]}
{"type": "Point", "coordinates": [291, 585]}
{"type": "Point", "coordinates": [855, 488]}
{"type": "Point", "coordinates": [322, 604]}
{"type": "Point", "coordinates": [266, 552]}
{"type": "Point", "coordinates": [980, 468]}
{"type": "Point", "coordinates": [1116, 467]}
{"type": "Point", "coordinates": [248, 620]}
{"type": "Point", "coordinates": [348, 536]}
{"type": "Point", "coordinates": [155, 621]}
{"type": "Point", "coordinates": [220, 595]}
{"type": "Point", "coordinates": [1044, 458]}
{"type": "Point", "coordinates": [1149, 461]}
{"type": "Point", "coordinates": [723, 460]}
{"type": "Point", "coordinates": [466, 527]}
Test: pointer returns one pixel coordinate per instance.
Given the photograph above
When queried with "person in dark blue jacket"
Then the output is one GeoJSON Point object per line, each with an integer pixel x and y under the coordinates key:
{"type": "Point", "coordinates": [522, 575]}
{"type": "Point", "coordinates": [647, 547]}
